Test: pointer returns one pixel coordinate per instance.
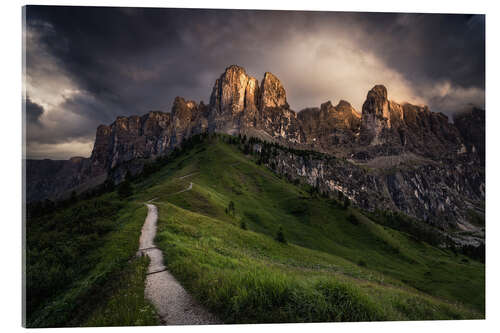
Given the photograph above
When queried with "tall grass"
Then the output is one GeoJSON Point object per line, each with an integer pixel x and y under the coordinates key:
{"type": "Point", "coordinates": [126, 304]}
{"type": "Point", "coordinates": [71, 265]}
{"type": "Point", "coordinates": [249, 277]}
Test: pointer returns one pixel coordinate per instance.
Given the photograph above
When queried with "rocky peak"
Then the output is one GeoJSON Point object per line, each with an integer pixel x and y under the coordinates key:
{"type": "Point", "coordinates": [343, 105]}
{"type": "Point", "coordinates": [378, 91]}
{"type": "Point", "coordinates": [405, 127]}
{"type": "Point", "coordinates": [376, 103]}
{"type": "Point", "coordinates": [235, 91]}
{"type": "Point", "coordinates": [329, 126]}
{"type": "Point", "coordinates": [228, 94]}
{"type": "Point", "coordinates": [375, 115]}
{"type": "Point", "coordinates": [184, 111]}
{"type": "Point", "coordinates": [326, 106]}
{"type": "Point", "coordinates": [273, 94]}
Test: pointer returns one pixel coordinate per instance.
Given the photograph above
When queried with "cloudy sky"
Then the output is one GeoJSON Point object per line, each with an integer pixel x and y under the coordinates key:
{"type": "Point", "coordinates": [86, 66]}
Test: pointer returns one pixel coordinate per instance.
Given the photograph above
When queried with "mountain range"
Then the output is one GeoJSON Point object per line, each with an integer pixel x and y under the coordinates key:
{"type": "Point", "coordinates": [390, 156]}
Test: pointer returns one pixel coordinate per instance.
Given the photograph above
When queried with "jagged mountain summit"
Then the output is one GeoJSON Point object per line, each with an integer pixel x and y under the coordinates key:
{"type": "Point", "coordinates": [399, 157]}
{"type": "Point", "coordinates": [239, 105]}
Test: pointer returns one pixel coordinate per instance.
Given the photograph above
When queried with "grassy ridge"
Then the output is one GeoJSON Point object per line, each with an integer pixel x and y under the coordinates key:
{"type": "Point", "coordinates": [375, 272]}
{"type": "Point", "coordinates": [76, 257]}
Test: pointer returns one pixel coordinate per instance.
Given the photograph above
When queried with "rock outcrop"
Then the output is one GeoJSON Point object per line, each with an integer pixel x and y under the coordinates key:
{"type": "Point", "coordinates": [56, 179]}
{"type": "Point", "coordinates": [472, 127]}
{"type": "Point", "coordinates": [394, 156]}
{"type": "Point", "coordinates": [273, 94]}
{"type": "Point", "coordinates": [375, 117]}
{"type": "Point", "coordinates": [440, 194]}
{"type": "Point", "coordinates": [330, 126]}
{"type": "Point", "coordinates": [234, 101]}
{"type": "Point", "coordinates": [389, 126]}
{"type": "Point", "coordinates": [238, 105]}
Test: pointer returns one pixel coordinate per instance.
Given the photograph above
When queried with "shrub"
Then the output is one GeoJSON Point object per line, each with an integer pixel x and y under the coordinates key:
{"type": "Point", "coordinates": [353, 219]}
{"type": "Point", "coordinates": [280, 236]}
{"type": "Point", "coordinates": [230, 208]}
{"type": "Point", "coordinates": [54, 243]}
{"type": "Point", "coordinates": [125, 189]}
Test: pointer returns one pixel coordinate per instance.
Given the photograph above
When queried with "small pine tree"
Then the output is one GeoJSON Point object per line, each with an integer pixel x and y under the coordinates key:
{"type": "Point", "coordinates": [231, 209]}
{"type": "Point", "coordinates": [246, 149]}
{"type": "Point", "coordinates": [280, 236]}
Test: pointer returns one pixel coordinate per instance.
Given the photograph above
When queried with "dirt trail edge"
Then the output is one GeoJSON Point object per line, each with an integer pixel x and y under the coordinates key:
{"type": "Point", "coordinates": [173, 304]}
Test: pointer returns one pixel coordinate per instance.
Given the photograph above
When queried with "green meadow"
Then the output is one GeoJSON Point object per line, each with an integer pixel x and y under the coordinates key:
{"type": "Point", "coordinates": [220, 240]}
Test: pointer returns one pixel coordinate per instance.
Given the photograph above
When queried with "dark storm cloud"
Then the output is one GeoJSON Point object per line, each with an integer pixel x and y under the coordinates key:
{"type": "Point", "coordinates": [33, 111]}
{"type": "Point", "coordinates": [122, 61]}
{"type": "Point", "coordinates": [431, 46]}
{"type": "Point", "coordinates": [62, 127]}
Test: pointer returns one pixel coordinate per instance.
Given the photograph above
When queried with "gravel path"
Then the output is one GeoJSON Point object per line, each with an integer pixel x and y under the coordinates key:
{"type": "Point", "coordinates": [189, 188]}
{"type": "Point", "coordinates": [173, 304]}
{"type": "Point", "coordinates": [191, 174]}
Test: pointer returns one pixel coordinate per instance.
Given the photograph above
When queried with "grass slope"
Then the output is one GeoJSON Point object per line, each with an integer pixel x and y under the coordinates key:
{"type": "Point", "coordinates": [330, 270]}
{"type": "Point", "coordinates": [82, 257]}
{"type": "Point", "coordinates": [82, 269]}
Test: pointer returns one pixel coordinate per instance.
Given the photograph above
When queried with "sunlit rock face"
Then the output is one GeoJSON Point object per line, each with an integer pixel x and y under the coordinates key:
{"type": "Point", "coordinates": [252, 95]}
{"type": "Point", "coordinates": [230, 89]}
{"type": "Point", "coordinates": [238, 105]}
{"type": "Point", "coordinates": [233, 93]}
{"type": "Point", "coordinates": [273, 94]}
{"type": "Point", "coordinates": [276, 119]}
{"type": "Point", "coordinates": [188, 118]}
{"type": "Point", "coordinates": [393, 128]}
{"type": "Point", "coordinates": [330, 126]}
{"type": "Point", "coordinates": [375, 116]}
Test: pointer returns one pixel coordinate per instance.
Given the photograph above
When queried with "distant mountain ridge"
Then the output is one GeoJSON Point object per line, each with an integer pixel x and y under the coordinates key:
{"type": "Point", "coordinates": [382, 138]}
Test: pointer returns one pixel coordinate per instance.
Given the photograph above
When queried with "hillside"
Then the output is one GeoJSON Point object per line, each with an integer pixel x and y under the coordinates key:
{"type": "Point", "coordinates": [204, 244]}
{"type": "Point", "coordinates": [336, 265]}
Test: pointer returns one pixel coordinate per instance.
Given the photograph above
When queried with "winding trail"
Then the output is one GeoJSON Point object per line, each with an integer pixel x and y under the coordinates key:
{"type": "Point", "coordinates": [189, 188]}
{"type": "Point", "coordinates": [190, 174]}
{"type": "Point", "coordinates": [172, 302]}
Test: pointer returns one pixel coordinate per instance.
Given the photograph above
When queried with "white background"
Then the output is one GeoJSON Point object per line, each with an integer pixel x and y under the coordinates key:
{"type": "Point", "coordinates": [11, 140]}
